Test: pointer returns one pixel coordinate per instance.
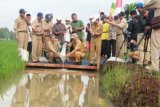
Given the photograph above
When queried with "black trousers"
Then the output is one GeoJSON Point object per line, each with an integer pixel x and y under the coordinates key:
{"type": "Point", "coordinates": [105, 49]}
{"type": "Point", "coordinates": [29, 48]}
{"type": "Point", "coordinates": [112, 47]}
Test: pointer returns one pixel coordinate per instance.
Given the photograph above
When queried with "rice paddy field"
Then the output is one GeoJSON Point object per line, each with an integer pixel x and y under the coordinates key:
{"type": "Point", "coordinates": [10, 62]}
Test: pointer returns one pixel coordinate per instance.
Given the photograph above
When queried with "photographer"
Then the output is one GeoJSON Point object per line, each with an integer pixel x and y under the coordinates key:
{"type": "Point", "coordinates": [155, 39]}
{"type": "Point", "coordinates": [133, 28]}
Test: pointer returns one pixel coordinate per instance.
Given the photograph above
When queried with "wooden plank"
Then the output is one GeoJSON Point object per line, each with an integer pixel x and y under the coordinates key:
{"type": "Point", "coordinates": [65, 66]}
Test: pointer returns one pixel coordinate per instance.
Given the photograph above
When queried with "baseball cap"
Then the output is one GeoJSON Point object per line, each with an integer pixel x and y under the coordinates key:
{"type": "Point", "coordinates": [22, 11]}
{"type": "Point", "coordinates": [40, 14]}
{"type": "Point", "coordinates": [139, 5]}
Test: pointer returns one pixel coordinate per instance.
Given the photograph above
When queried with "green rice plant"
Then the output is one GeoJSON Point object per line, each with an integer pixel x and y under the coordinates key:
{"type": "Point", "coordinates": [10, 62]}
{"type": "Point", "coordinates": [114, 80]}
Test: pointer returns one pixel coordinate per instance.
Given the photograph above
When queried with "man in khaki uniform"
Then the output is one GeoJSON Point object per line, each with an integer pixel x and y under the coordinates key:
{"type": "Point", "coordinates": [96, 31]}
{"type": "Point", "coordinates": [121, 24]}
{"type": "Point", "coordinates": [20, 29]}
{"type": "Point", "coordinates": [155, 37]}
{"type": "Point", "coordinates": [51, 48]}
{"type": "Point", "coordinates": [79, 51]}
{"type": "Point", "coordinates": [38, 31]}
{"type": "Point", "coordinates": [47, 28]}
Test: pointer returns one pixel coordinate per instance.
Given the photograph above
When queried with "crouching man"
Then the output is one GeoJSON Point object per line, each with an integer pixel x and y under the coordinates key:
{"type": "Point", "coordinates": [51, 48]}
{"type": "Point", "coordinates": [79, 51]}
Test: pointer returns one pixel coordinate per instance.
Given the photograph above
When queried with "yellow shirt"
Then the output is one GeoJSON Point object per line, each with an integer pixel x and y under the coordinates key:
{"type": "Point", "coordinates": [105, 34]}
{"type": "Point", "coordinates": [20, 25]}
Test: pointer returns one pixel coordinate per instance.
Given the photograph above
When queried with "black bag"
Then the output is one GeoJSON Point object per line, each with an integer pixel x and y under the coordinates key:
{"type": "Point", "coordinates": [156, 22]}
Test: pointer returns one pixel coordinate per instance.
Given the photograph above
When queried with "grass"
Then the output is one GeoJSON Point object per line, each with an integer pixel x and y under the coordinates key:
{"type": "Point", "coordinates": [114, 80]}
{"type": "Point", "coordinates": [10, 62]}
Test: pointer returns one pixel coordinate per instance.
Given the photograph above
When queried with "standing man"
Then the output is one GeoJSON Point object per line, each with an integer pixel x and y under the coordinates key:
{"type": "Point", "coordinates": [77, 26]}
{"type": "Point", "coordinates": [142, 22]}
{"type": "Point", "coordinates": [88, 39]}
{"type": "Point", "coordinates": [133, 28]}
{"type": "Point", "coordinates": [105, 38]}
{"type": "Point", "coordinates": [96, 31]}
{"type": "Point", "coordinates": [20, 29]}
{"type": "Point", "coordinates": [47, 27]}
{"type": "Point", "coordinates": [121, 25]}
{"type": "Point", "coordinates": [155, 44]}
{"type": "Point", "coordinates": [59, 30]}
{"type": "Point", "coordinates": [38, 31]}
{"type": "Point", "coordinates": [29, 48]}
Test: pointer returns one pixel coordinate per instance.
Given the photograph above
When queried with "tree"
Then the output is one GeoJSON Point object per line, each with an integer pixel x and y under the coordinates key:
{"type": "Point", "coordinates": [6, 34]}
{"type": "Point", "coordinates": [128, 8]}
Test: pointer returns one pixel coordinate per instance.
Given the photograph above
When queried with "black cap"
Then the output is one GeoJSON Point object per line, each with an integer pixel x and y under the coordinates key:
{"type": "Point", "coordinates": [40, 14]}
{"type": "Point", "coordinates": [22, 11]}
{"type": "Point", "coordinates": [121, 14]}
{"type": "Point", "coordinates": [133, 12]}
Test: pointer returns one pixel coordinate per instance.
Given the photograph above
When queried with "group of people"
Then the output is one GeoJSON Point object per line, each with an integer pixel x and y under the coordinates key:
{"type": "Point", "coordinates": [106, 36]}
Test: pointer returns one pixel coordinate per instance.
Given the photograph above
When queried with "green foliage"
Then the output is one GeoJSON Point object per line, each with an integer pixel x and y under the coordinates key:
{"type": "Point", "coordinates": [128, 8]}
{"type": "Point", "coordinates": [6, 34]}
{"type": "Point", "coordinates": [114, 80]}
{"type": "Point", "coordinates": [10, 62]}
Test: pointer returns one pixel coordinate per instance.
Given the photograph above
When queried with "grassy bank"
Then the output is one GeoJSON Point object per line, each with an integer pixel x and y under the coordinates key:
{"type": "Point", "coordinates": [127, 85]}
{"type": "Point", "coordinates": [10, 63]}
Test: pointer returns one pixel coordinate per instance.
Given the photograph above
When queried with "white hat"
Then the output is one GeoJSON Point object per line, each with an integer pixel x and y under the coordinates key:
{"type": "Point", "coordinates": [58, 18]}
{"type": "Point", "coordinates": [95, 17]}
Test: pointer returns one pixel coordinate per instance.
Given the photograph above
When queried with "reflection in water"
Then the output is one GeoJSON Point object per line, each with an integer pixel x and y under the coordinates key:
{"type": "Point", "coordinates": [45, 90]}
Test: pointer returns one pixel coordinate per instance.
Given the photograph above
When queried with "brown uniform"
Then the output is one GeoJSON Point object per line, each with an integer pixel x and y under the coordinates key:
{"type": "Point", "coordinates": [51, 48]}
{"type": "Point", "coordinates": [95, 43]}
{"type": "Point", "coordinates": [120, 37]}
{"type": "Point", "coordinates": [21, 28]}
{"type": "Point", "coordinates": [80, 50]}
{"type": "Point", "coordinates": [155, 37]}
{"type": "Point", "coordinates": [37, 40]}
{"type": "Point", "coordinates": [47, 30]}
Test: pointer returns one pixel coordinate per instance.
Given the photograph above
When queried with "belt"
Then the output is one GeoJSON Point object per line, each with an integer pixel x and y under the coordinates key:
{"type": "Point", "coordinates": [22, 31]}
{"type": "Point", "coordinates": [119, 34]}
{"type": "Point", "coordinates": [39, 34]}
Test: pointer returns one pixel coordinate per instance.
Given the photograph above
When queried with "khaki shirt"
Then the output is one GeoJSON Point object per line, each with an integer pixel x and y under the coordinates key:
{"type": "Point", "coordinates": [52, 46]}
{"type": "Point", "coordinates": [38, 26]}
{"type": "Point", "coordinates": [47, 28]}
{"type": "Point", "coordinates": [96, 28]}
{"type": "Point", "coordinates": [20, 25]}
{"type": "Point", "coordinates": [154, 4]}
{"type": "Point", "coordinates": [79, 46]}
{"type": "Point", "coordinates": [122, 25]}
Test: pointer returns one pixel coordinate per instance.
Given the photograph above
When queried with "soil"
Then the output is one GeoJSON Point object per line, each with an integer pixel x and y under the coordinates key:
{"type": "Point", "coordinates": [142, 91]}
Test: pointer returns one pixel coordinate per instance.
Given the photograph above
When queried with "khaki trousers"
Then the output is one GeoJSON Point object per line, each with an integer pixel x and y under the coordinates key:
{"type": "Point", "coordinates": [141, 50]}
{"type": "Point", "coordinates": [23, 40]}
{"type": "Point", "coordinates": [155, 49]}
{"type": "Point", "coordinates": [119, 41]}
{"type": "Point", "coordinates": [79, 55]}
{"type": "Point", "coordinates": [36, 47]}
{"type": "Point", "coordinates": [95, 49]}
{"type": "Point", "coordinates": [50, 56]}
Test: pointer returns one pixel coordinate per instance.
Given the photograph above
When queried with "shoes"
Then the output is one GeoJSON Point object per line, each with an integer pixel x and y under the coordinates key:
{"type": "Point", "coordinates": [92, 64]}
{"type": "Point", "coordinates": [77, 63]}
{"type": "Point", "coordinates": [54, 60]}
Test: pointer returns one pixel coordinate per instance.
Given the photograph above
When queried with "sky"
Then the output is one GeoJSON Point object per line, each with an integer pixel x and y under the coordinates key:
{"type": "Point", "coordinates": [9, 9]}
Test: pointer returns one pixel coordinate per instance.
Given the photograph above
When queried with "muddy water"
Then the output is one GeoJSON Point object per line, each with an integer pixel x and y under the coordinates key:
{"type": "Point", "coordinates": [54, 88]}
